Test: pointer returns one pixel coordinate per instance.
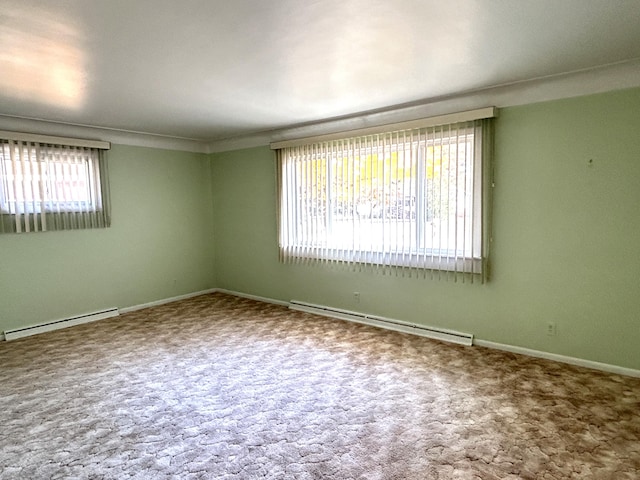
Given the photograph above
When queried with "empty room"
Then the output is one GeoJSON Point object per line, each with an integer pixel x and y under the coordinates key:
{"type": "Point", "coordinates": [319, 239]}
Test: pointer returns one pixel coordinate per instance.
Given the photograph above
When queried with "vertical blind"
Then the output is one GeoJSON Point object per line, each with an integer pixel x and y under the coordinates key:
{"type": "Point", "coordinates": [414, 199]}
{"type": "Point", "coordinates": [52, 186]}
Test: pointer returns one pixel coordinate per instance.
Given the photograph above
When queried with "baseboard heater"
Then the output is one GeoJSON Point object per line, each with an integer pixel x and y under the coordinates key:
{"type": "Point", "coordinates": [57, 324]}
{"type": "Point", "coordinates": [388, 323]}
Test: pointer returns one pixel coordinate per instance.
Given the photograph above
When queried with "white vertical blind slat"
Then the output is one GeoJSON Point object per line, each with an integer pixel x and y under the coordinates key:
{"type": "Point", "coordinates": [404, 199]}
{"type": "Point", "coordinates": [51, 187]}
{"type": "Point", "coordinates": [459, 211]}
{"type": "Point", "coordinates": [16, 161]}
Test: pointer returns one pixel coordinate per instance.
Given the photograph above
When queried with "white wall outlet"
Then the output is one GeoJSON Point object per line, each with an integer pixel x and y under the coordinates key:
{"type": "Point", "coordinates": [552, 329]}
{"type": "Point", "coordinates": [356, 297]}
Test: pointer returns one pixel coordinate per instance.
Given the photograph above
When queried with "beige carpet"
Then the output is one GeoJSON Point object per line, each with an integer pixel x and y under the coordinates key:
{"type": "Point", "coordinates": [221, 387]}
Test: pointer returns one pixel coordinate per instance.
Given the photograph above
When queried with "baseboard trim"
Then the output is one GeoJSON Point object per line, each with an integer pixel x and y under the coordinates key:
{"type": "Point", "coordinates": [57, 324]}
{"type": "Point", "coordinates": [386, 323]}
{"type": "Point", "coordinates": [9, 335]}
{"type": "Point", "coordinates": [253, 297]}
{"type": "Point", "coordinates": [604, 367]}
{"type": "Point", "coordinates": [22, 332]}
{"type": "Point", "coordinates": [156, 303]}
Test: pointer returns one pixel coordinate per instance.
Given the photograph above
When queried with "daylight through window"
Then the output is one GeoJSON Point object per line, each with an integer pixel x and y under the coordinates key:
{"type": "Point", "coordinates": [412, 198]}
{"type": "Point", "coordinates": [46, 186]}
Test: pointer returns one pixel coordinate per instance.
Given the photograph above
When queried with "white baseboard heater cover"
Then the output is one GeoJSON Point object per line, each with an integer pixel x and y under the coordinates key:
{"type": "Point", "coordinates": [388, 323]}
{"type": "Point", "coordinates": [57, 324]}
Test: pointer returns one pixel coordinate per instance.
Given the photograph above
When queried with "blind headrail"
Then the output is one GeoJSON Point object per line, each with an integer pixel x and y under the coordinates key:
{"type": "Point", "coordinates": [51, 140]}
{"type": "Point", "coordinates": [450, 118]}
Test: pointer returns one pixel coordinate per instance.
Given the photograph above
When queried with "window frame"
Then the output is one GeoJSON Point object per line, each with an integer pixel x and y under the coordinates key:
{"type": "Point", "coordinates": [40, 166]}
{"type": "Point", "coordinates": [421, 255]}
{"type": "Point", "coordinates": [33, 198]}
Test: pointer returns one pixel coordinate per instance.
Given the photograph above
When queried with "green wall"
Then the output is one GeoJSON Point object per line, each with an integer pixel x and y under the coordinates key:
{"type": "Point", "coordinates": [159, 244]}
{"type": "Point", "coordinates": [566, 232]}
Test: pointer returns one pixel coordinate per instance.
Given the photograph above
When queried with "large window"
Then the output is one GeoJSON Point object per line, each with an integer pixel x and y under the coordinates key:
{"type": "Point", "coordinates": [51, 186]}
{"type": "Point", "coordinates": [412, 198]}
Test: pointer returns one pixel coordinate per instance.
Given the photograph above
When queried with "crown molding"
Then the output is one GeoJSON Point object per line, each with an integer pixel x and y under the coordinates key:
{"type": "Point", "coordinates": [612, 77]}
{"type": "Point", "coordinates": [122, 137]}
{"type": "Point", "coordinates": [602, 79]}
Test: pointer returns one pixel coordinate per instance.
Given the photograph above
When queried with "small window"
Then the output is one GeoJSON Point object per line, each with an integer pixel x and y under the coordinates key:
{"type": "Point", "coordinates": [47, 186]}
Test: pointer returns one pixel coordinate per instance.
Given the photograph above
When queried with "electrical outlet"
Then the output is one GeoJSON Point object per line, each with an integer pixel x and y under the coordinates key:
{"type": "Point", "coordinates": [356, 297]}
{"type": "Point", "coordinates": [552, 329]}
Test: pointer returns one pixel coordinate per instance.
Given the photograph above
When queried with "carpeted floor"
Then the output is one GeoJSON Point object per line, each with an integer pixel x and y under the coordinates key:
{"type": "Point", "coordinates": [222, 387]}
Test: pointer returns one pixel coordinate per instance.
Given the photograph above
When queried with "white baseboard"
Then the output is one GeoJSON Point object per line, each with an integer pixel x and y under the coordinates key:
{"type": "Point", "coordinates": [253, 297]}
{"type": "Point", "coordinates": [386, 323]}
{"type": "Point", "coordinates": [22, 332]}
{"type": "Point", "coordinates": [604, 367]}
{"type": "Point", "coordinates": [90, 317]}
{"type": "Point", "coordinates": [167, 300]}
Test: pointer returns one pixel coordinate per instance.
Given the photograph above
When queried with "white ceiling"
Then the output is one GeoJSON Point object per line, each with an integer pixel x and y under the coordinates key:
{"type": "Point", "coordinates": [211, 69]}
